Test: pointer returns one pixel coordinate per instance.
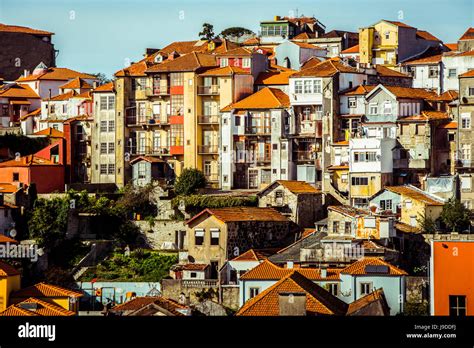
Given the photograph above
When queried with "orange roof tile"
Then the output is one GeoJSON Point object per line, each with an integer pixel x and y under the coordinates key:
{"type": "Point", "coordinates": [27, 161]}
{"type": "Point", "coordinates": [225, 71]}
{"type": "Point", "coordinates": [277, 68]}
{"type": "Point", "coordinates": [43, 290]}
{"type": "Point", "coordinates": [416, 194]}
{"type": "Point", "coordinates": [295, 186]}
{"type": "Point", "coordinates": [270, 78]}
{"type": "Point", "coordinates": [6, 270]}
{"type": "Point", "coordinates": [8, 188]}
{"type": "Point", "coordinates": [269, 271]}
{"type": "Point", "coordinates": [398, 24]}
{"type": "Point", "coordinates": [239, 51]}
{"type": "Point", "coordinates": [50, 132]}
{"type": "Point", "coordinates": [339, 167]}
{"type": "Point", "coordinates": [18, 29]}
{"type": "Point", "coordinates": [183, 47]}
{"type": "Point", "coordinates": [436, 59]}
{"type": "Point", "coordinates": [135, 69]}
{"type": "Point", "coordinates": [266, 98]}
{"type": "Point", "coordinates": [410, 93]}
{"type": "Point", "coordinates": [5, 239]}
{"type": "Point", "coordinates": [307, 45]}
{"type": "Point", "coordinates": [188, 62]}
{"type": "Point", "coordinates": [359, 267]}
{"type": "Point", "coordinates": [447, 96]}
{"type": "Point", "coordinates": [307, 232]}
{"type": "Point", "coordinates": [384, 71]}
{"type": "Point", "coordinates": [35, 112]}
{"type": "Point", "coordinates": [107, 87]}
{"type": "Point", "coordinates": [251, 41]}
{"type": "Point", "coordinates": [348, 210]}
{"type": "Point", "coordinates": [303, 36]}
{"type": "Point", "coordinates": [43, 309]}
{"type": "Point", "coordinates": [465, 54]}
{"type": "Point", "coordinates": [426, 35]}
{"type": "Point", "coordinates": [318, 300]}
{"type": "Point", "coordinates": [63, 97]}
{"type": "Point", "coordinates": [427, 116]}
{"type": "Point", "coordinates": [193, 267]}
{"type": "Point", "coordinates": [452, 46]}
{"type": "Point", "coordinates": [311, 62]}
{"type": "Point", "coordinates": [326, 68]}
{"type": "Point", "coordinates": [468, 35]}
{"type": "Point", "coordinates": [76, 83]}
{"type": "Point", "coordinates": [469, 73]}
{"type": "Point", "coordinates": [449, 125]}
{"type": "Point", "coordinates": [57, 74]}
{"type": "Point", "coordinates": [403, 227]}
{"type": "Point", "coordinates": [341, 143]}
{"type": "Point", "coordinates": [141, 302]}
{"type": "Point", "coordinates": [359, 90]}
{"type": "Point", "coordinates": [149, 159]}
{"type": "Point", "coordinates": [353, 49]}
{"type": "Point", "coordinates": [255, 255]}
{"type": "Point", "coordinates": [15, 311]}
{"type": "Point", "coordinates": [236, 214]}
{"type": "Point", "coordinates": [377, 295]}
{"type": "Point", "coordinates": [16, 90]}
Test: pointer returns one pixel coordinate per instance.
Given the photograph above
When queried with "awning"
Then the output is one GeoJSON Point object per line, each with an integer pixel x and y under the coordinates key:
{"type": "Point", "coordinates": [20, 102]}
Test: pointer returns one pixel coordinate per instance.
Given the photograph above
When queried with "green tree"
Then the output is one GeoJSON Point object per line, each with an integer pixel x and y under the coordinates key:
{"type": "Point", "coordinates": [103, 79]}
{"type": "Point", "coordinates": [235, 33]}
{"type": "Point", "coordinates": [427, 224]}
{"type": "Point", "coordinates": [207, 32]}
{"type": "Point", "coordinates": [455, 215]}
{"type": "Point", "coordinates": [189, 182]}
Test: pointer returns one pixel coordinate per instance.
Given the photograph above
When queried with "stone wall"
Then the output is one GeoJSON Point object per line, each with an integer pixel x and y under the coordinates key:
{"type": "Point", "coordinates": [162, 233]}
{"type": "Point", "coordinates": [416, 289]}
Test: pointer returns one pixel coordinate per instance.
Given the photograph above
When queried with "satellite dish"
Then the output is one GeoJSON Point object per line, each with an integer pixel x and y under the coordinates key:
{"type": "Point", "coordinates": [13, 233]}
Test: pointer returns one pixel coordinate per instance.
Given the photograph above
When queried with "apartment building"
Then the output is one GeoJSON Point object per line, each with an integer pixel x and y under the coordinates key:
{"type": "Point", "coordinates": [281, 28]}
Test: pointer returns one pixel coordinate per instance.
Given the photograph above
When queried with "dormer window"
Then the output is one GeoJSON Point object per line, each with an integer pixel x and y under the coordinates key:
{"type": "Point", "coordinates": [224, 62]}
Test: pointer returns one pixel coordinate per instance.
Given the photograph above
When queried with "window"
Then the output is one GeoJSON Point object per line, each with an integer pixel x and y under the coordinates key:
{"type": "Point", "coordinates": [177, 79]}
{"type": "Point", "coordinates": [198, 236]}
{"type": "Point", "coordinates": [319, 111]}
{"type": "Point", "coordinates": [16, 177]}
{"type": "Point", "coordinates": [103, 148]}
{"type": "Point", "coordinates": [408, 204]}
{"type": "Point", "coordinates": [365, 288]}
{"type": "Point", "coordinates": [365, 157]}
{"type": "Point", "coordinates": [111, 168]}
{"type": "Point", "coordinates": [103, 126]}
{"type": "Point", "coordinates": [333, 288]}
{"type": "Point", "coordinates": [237, 121]}
{"type": "Point", "coordinates": [466, 121]}
{"type": "Point", "coordinates": [177, 105]}
{"type": "Point", "coordinates": [352, 102]}
{"type": "Point", "coordinates": [470, 91]}
{"type": "Point", "coordinates": [420, 129]}
{"type": "Point", "coordinates": [386, 204]}
{"type": "Point", "coordinates": [103, 103]}
{"type": "Point", "coordinates": [452, 73]}
{"type": "Point", "coordinates": [64, 108]}
{"type": "Point", "coordinates": [141, 170]}
{"type": "Point", "coordinates": [214, 236]}
{"type": "Point", "coordinates": [335, 227]}
{"type": "Point", "coordinates": [176, 135]}
{"type": "Point", "coordinates": [387, 108]}
{"type": "Point", "coordinates": [192, 274]}
{"type": "Point", "coordinates": [347, 227]}
{"type": "Point", "coordinates": [51, 108]}
{"type": "Point", "coordinates": [111, 126]}
{"type": "Point", "coordinates": [308, 87]}
{"type": "Point", "coordinates": [373, 109]}
{"type": "Point", "coordinates": [253, 292]}
{"type": "Point", "coordinates": [433, 72]}
{"type": "Point", "coordinates": [360, 181]}
{"type": "Point", "coordinates": [103, 169]}
{"type": "Point", "coordinates": [246, 63]}
{"type": "Point", "coordinates": [412, 220]}
{"type": "Point", "coordinates": [457, 305]}
{"type": "Point", "coordinates": [298, 87]}
{"type": "Point", "coordinates": [451, 137]}
{"type": "Point", "coordinates": [111, 102]}
{"type": "Point", "coordinates": [387, 35]}
{"type": "Point", "coordinates": [224, 62]}
{"type": "Point", "coordinates": [111, 147]}
{"type": "Point", "coordinates": [316, 86]}
{"type": "Point", "coordinates": [369, 222]}
{"type": "Point", "coordinates": [466, 183]}
{"type": "Point", "coordinates": [466, 152]}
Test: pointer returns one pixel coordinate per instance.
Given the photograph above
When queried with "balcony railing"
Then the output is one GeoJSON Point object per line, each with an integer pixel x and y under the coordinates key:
{"type": "Point", "coordinates": [305, 155]}
{"type": "Point", "coordinates": [258, 157]}
{"type": "Point", "coordinates": [147, 119]}
{"type": "Point", "coordinates": [149, 150]}
{"type": "Point", "coordinates": [208, 90]}
{"type": "Point", "coordinates": [208, 119]}
{"type": "Point", "coordinates": [208, 149]}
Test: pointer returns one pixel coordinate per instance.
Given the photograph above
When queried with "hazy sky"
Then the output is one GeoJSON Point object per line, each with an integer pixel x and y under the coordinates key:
{"type": "Point", "coordinates": [101, 35]}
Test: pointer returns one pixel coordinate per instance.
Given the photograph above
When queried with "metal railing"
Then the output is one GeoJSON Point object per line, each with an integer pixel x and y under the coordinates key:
{"type": "Point", "coordinates": [208, 90]}
{"type": "Point", "coordinates": [156, 91]}
{"type": "Point", "coordinates": [205, 149]}
{"type": "Point", "coordinates": [208, 119]}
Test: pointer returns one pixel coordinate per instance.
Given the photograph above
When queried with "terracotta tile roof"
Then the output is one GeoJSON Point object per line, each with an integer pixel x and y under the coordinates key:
{"type": "Point", "coordinates": [357, 305]}
{"type": "Point", "coordinates": [27, 161]}
{"type": "Point", "coordinates": [469, 73]}
{"type": "Point", "coordinates": [311, 62]}
{"type": "Point", "coordinates": [398, 24]}
{"type": "Point", "coordinates": [135, 69]}
{"type": "Point", "coordinates": [5, 239]}
{"type": "Point", "coordinates": [16, 90]}
{"type": "Point", "coordinates": [57, 74]}
{"type": "Point", "coordinates": [6, 270]}
{"type": "Point", "coordinates": [8, 188]}
{"type": "Point", "coordinates": [296, 187]}
{"type": "Point", "coordinates": [307, 232]}
{"type": "Point", "coordinates": [359, 267]}
{"type": "Point", "coordinates": [427, 116]}
{"type": "Point", "coordinates": [274, 78]}
{"type": "Point", "coordinates": [76, 83]}
{"type": "Point", "coordinates": [403, 227]}
{"type": "Point", "coordinates": [318, 300]}
{"type": "Point", "coordinates": [236, 214]}
{"type": "Point", "coordinates": [149, 159]}
{"type": "Point", "coordinates": [188, 62]}
{"type": "Point", "coordinates": [465, 54]}
{"type": "Point", "coordinates": [452, 46]}
{"type": "Point", "coordinates": [239, 51]}
{"type": "Point", "coordinates": [416, 194]}
{"type": "Point", "coordinates": [449, 125]}
{"type": "Point", "coordinates": [50, 132]}
{"type": "Point", "coordinates": [436, 59]}
{"type": "Point", "coordinates": [183, 47]}
{"type": "Point", "coordinates": [384, 71]}
{"type": "Point", "coordinates": [277, 68]}
{"type": "Point", "coordinates": [353, 49]}
{"type": "Point", "coordinates": [43, 290]}
{"type": "Point", "coordinates": [5, 28]}
{"type": "Point", "coordinates": [255, 254]}
{"type": "Point", "coordinates": [108, 87]}
{"type": "Point", "coordinates": [426, 35]}
{"type": "Point", "coordinates": [360, 90]}
{"type": "Point", "coordinates": [194, 267]}
{"type": "Point", "coordinates": [252, 41]}
{"type": "Point", "coordinates": [267, 270]}
{"type": "Point", "coordinates": [410, 93]}
{"type": "Point", "coordinates": [224, 46]}
{"type": "Point", "coordinates": [327, 68]}
{"type": "Point", "coordinates": [348, 210]}
{"type": "Point", "coordinates": [225, 71]}
{"type": "Point", "coordinates": [85, 95]}
{"type": "Point", "coordinates": [307, 45]}
{"type": "Point", "coordinates": [32, 113]}
{"type": "Point", "coordinates": [43, 308]}
{"type": "Point", "coordinates": [141, 302]}
{"type": "Point", "coordinates": [63, 97]}
{"type": "Point", "coordinates": [341, 143]}
{"type": "Point", "coordinates": [447, 96]}
{"type": "Point", "coordinates": [303, 36]}
{"type": "Point", "coordinates": [266, 98]}
{"type": "Point", "coordinates": [339, 167]}
{"type": "Point", "coordinates": [468, 35]}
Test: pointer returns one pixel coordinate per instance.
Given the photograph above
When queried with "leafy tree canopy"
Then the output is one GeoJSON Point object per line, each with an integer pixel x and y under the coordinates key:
{"type": "Point", "coordinates": [207, 32]}
{"type": "Point", "coordinates": [235, 33]}
{"type": "Point", "coordinates": [189, 182]}
{"type": "Point", "coordinates": [456, 216]}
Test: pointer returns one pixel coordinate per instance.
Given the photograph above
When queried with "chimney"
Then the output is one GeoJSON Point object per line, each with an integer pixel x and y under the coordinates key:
{"type": "Point", "coordinates": [277, 18]}
{"type": "Point", "coordinates": [292, 303]}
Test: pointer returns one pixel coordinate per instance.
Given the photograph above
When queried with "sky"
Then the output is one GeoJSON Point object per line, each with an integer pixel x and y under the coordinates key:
{"type": "Point", "coordinates": [105, 35]}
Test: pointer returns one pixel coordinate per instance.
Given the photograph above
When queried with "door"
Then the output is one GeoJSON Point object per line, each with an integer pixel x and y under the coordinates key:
{"type": "Point", "coordinates": [214, 270]}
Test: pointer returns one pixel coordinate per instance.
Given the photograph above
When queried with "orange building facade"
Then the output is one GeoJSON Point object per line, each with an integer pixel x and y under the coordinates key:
{"type": "Point", "coordinates": [452, 278]}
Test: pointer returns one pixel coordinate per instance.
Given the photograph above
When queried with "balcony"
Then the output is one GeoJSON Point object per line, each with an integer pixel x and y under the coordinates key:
{"type": "Point", "coordinates": [208, 149]}
{"type": "Point", "coordinates": [208, 90]}
{"type": "Point", "coordinates": [465, 164]}
{"type": "Point", "coordinates": [257, 130]}
{"type": "Point", "coordinates": [305, 155]}
{"type": "Point", "coordinates": [258, 157]}
{"type": "Point", "coordinates": [208, 119]}
{"type": "Point", "coordinates": [149, 150]}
